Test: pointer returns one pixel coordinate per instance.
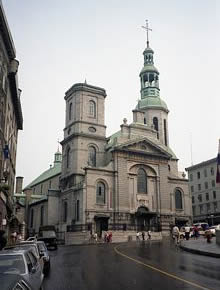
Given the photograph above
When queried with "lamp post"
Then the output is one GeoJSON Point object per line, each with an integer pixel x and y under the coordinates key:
{"type": "Point", "coordinates": [212, 216]}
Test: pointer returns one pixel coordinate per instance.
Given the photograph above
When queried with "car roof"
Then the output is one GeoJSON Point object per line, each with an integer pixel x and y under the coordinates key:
{"type": "Point", "coordinates": [12, 251]}
{"type": "Point", "coordinates": [8, 281]}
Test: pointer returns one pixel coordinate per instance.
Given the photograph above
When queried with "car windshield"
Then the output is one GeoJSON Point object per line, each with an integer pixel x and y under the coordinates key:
{"type": "Point", "coordinates": [12, 264]}
{"type": "Point", "coordinates": [48, 234]}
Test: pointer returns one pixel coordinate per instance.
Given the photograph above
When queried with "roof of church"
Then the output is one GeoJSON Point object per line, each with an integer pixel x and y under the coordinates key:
{"type": "Point", "coordinates": [113, 142]}
{"type": "Point", "coordinates": [51, 172]}
{"type": "Point", "coordinates": [152, 102]}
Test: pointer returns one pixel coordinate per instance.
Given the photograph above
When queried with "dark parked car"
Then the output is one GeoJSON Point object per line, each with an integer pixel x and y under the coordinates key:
{"type": "Point", "coordinates": [14, 282]}
{"type": "Point", "coordinates": [47, 234]}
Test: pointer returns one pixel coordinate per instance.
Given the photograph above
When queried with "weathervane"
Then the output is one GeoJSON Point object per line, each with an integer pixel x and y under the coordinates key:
{"type": "Point", "coordinates": [147, 29]}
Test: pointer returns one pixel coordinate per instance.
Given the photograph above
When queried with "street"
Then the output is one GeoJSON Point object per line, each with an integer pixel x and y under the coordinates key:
{"type": "Point", "coordinates": [149, 265]}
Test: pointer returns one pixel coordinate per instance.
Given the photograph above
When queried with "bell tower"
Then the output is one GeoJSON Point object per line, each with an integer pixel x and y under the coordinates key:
{"type": "Point", "coordinates": [155, 109]}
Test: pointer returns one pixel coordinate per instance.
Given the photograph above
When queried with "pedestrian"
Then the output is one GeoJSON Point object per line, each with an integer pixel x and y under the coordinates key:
{"type": "Point", "coordinates": [208, 235]}
{"type": "Point", "coordinates": [95, 237]}
{"type": "Point", "coordinates": [143, 235]}
{"type": "Point", "coordinates": [176, 234]}
{"type": "Point", "coordinates": [187, 232]}
{"type": "Point", "coordinates": [3, 239]}
{"type": "Point", "coordinates": [110, 237]}
{"type": "Point", "coordinates": [137, 236]}
{"type": "Point", "coordinates": [149, 235]}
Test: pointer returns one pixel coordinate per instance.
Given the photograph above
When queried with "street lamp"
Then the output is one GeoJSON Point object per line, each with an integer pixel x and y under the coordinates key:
{"type": "Point", "coordinates": [212, 216]}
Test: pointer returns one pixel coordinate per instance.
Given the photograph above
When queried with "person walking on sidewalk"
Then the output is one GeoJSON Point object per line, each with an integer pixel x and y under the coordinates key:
{"type": "Point", "coordinates": [176, 235]}
{"type": "Point", "coordinates": [187, 232]}
{"type": "Point", "coordinates": [143, 235]}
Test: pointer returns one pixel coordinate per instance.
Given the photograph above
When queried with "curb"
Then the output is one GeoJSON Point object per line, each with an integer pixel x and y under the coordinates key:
{"type": "Point", "coordinates": [199, 252]}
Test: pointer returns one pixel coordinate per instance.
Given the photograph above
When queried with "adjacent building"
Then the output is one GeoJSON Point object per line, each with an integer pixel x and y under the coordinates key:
{"type": "Point", "coordinates": [205, 192]}
{"type": "Point", "coordinates": [10, 120]}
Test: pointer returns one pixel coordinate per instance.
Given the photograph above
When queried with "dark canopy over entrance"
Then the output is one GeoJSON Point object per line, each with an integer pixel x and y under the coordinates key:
{"type": "Point", "coordinates": [144, 218]}
{"type": "Point", "coordinates": [101, 223]}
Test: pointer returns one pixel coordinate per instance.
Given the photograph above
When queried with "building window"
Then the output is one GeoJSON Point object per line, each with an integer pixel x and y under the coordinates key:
{"type": "Point", "coordinates": [156, 127]}
{"type": "Point", "coordinates": [213, 183]}
{"type": "Point", "coordinates": [212, 171]}
{"type": "Point", "coordinates": [68, 157]}
{"type": "Point", "coordinates": [192, 188]}
{"type": "Point", "coordinates": [193, 199]}
{"type": "Point", "coordinates": [42, 215]}
{"type": "Point", "coordinates": [208, 207]}
{"type": "Point", "coordinates": [165, 131]}
{"type": "Point", "coordinates": [145, 122]}
{"type": "Point", "coordinates": [92, 109]}
{"type": "Point", "coordinates": [214, 194]}
{"type": "Point", "coordinates": [50, 184]}
{"type": "Point", "coordinates": [141, 181]}
{"type": "Point", "coordinates": [32, 217]}
{"type": "Point", "coordinates": [194, 210]}
{"type": "Point", "coordinates": [178, 199]}
{"type": "Point", "coordinates": [70, 111]}
{"type": "Point", "coordinates": [201, 208]}
{"type": "Point", "coordinates": [100, 193]}
{"type": "Point", "coordinates": [65, 209]}
{"type": "Point", "coordinates": [215, 206]}
{"type": "Point", "coordinates": [199, 186]}
{"type": "Point", "coordinates": [191, 177]}
{"type": "Point", "coordinates": [198, 175]}
{"type": "Point", "coordinates": [92, 156]}
{"type": "Point", "coordinates": [41, 188]}
{"type": "Point", "coordinates": [200, 198]}
{"type": "Point", "coordinates": [77, 210]}
{"type": "Point", "coordinates": [205, 172]}
{"type": "Point", "coordinates": [207, 196]}
{"type": "Point", "coordinates": [206, 185]}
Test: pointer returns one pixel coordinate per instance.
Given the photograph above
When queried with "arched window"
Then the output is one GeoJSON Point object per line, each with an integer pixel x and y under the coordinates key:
{"type": "Point", "coordinates": [92, 109]}
{"type": "Point", "coordinates": [32, 217]}
{"type": "Point", "coordinates": [145, 122]}
{"type": "Point", "coordinates": [92, 156]}
{"type": "Point", "coordinates": [65, 211]}
{"type": "Point", "coordinates": [100, 193]}
{"type": "Point", "coordinates": [42, 215]}
{"type": "Point", "coordinates": [68, 157]}
{"type": "Point", "coordinates": [70, 111]}
{"type": "Point", "coordinates": [141, 181]}
{"type": "Point", "coordinates": [178, 199]}
{"type": "Point", "coordinates": [165, 131]}
{"type": "Point", "coordinates": [156, 127]}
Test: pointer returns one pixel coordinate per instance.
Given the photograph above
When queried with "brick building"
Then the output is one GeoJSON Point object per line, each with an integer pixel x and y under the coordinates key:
{"type": "Point", "coordinates": [10, 120]}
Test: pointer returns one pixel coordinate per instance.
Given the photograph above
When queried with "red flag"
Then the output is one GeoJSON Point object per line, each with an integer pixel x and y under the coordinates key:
{"type": "Point", "coordinates": [218, 165]}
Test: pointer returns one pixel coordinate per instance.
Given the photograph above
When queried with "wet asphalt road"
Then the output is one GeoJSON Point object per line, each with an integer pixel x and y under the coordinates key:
{"type": "Point", "coordinates": [149, 265]}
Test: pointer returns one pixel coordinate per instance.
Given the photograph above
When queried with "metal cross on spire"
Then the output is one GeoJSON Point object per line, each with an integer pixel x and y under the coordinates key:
{"type": "Point", "coordinates": [147, 29]}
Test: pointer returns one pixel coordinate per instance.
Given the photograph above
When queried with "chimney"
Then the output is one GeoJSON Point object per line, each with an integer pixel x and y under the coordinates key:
{"type": "Point", "coordinates": [19, 184]}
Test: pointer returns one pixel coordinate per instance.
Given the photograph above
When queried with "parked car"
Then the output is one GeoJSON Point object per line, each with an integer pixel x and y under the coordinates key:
{"type": "Point", "coordinates": [34, 238]}
{"type": "Point", "coordinates": [213, 229]}
{"type": "Point", "coordinates": [47, 234]}
{"type": "Point", "coordinates": [14, 282]}
{"type": "Point", "coordinates": [24, 263]}
{"type": "Point", "coordinates": [31, 245]}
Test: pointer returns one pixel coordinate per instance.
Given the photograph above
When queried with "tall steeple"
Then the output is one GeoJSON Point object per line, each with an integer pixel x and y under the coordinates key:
{"type": "Point", "coordinates": [149, 74]}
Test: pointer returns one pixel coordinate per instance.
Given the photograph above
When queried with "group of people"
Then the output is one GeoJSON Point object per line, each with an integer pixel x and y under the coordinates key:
{"type": "Point", "coordinates": [139, 234]}
{"type": "Point", "coordinates": [108, 237]}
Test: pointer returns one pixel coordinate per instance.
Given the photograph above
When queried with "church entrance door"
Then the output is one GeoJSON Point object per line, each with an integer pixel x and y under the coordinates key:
{"type": "Point", "coordinates": [101, 224]}
{"type": "Point", "coordinates": [143, 218]}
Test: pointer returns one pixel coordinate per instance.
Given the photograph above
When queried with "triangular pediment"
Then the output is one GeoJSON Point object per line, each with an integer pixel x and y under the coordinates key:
{"type": "Point", "coordinates": [144, 146]}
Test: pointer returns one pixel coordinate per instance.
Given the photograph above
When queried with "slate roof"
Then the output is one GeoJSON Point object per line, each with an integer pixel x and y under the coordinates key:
{"type": "Point", "coordinates": [48, 174]}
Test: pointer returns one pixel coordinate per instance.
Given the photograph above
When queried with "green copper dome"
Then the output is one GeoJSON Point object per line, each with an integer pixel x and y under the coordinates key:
{"type": "Point", "coordinates": [152, 102]}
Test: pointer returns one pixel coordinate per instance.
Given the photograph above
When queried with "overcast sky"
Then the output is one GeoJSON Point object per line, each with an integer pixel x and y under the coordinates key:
{"type": "Point", "coordinates": [60, 43]}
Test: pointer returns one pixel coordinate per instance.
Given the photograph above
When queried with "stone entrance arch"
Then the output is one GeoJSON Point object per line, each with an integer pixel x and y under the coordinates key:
{"type": "Point", "coordinates": [143, 218]}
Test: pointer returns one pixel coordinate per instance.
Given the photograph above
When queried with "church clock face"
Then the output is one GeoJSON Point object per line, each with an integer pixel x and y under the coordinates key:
{"type": "Point", "coordinates": [92, 129]}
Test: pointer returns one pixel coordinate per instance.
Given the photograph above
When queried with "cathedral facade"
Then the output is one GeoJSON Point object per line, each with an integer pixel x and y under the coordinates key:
{"type": "Point", "coordinates": [128, 181]}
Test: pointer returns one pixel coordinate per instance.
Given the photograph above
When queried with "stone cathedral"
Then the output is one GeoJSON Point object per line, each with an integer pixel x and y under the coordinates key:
{"type": "Point", "coordinates": [128, 181]}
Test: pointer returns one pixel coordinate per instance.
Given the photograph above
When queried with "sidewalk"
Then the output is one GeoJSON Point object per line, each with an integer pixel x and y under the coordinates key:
{"type": "Point", "coordinates": [201, 247]}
